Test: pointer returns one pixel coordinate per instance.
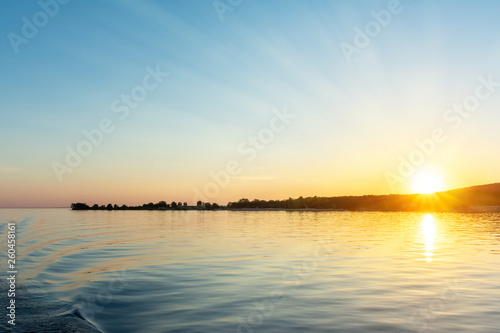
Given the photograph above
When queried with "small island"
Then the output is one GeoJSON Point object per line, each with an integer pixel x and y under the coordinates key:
{"type": "Point", "coordinates": [161, 205]}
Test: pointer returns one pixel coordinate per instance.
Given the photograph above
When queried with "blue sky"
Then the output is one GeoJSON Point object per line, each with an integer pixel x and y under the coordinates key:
{"type": "Point", "coordinates": [352, 121]}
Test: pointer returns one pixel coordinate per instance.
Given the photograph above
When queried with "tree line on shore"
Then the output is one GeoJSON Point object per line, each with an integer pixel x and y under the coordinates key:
{"type": "Point", "coordinates": [161, 205]}
{"type": "Point", "coordinates": [459, 199]}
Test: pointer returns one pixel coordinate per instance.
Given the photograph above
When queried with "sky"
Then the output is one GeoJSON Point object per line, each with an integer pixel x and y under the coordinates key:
{"type": "Point", "coordinates": [133, 102]}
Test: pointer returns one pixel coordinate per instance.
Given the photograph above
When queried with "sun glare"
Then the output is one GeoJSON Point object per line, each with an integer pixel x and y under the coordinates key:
{"type": "Point", "coordinates": [427, 182]}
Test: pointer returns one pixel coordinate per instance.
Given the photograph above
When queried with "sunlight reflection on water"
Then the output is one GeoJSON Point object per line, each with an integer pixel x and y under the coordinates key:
{"type": "Point", "coordinates": [214, 271]}
{"type": "Point", "coordinates": [429, 233]}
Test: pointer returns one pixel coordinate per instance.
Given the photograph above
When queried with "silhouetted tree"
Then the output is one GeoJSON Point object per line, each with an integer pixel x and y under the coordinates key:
{"type": "Point", "coordinates": [79, 206]}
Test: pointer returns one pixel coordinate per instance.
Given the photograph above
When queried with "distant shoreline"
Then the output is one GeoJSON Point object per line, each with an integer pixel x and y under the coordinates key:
{"type": "Point", "coordinates": [481, 198]}
{"type": "Point", "coordinates": [480, 209]}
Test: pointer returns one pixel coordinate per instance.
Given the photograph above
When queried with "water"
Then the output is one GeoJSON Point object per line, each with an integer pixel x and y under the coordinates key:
{"type": "Point", "coordinates": [189, 271]}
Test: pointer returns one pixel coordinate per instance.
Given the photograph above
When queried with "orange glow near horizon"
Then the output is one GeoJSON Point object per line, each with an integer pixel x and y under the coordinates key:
{"type": "Point", "coordinates": [130, 186]}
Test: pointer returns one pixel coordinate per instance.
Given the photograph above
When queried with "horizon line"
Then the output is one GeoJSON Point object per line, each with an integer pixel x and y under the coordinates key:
{"type": "Point", "coordinates": [458, 188]}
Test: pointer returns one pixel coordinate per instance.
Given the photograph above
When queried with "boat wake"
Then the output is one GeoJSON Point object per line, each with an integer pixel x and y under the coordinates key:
{"type": "Point", "coordinates": [35, 315]}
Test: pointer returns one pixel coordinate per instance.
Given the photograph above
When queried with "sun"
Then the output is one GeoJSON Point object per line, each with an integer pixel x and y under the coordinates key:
{"type": "Point", "coordinates": [427, 182]}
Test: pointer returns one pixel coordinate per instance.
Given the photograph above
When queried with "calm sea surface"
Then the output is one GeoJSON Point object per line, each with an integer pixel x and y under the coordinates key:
{"type": "Point", "coordinates": [188, 271]}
